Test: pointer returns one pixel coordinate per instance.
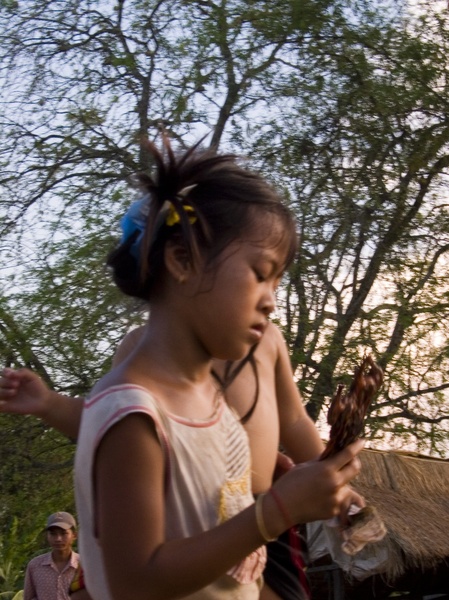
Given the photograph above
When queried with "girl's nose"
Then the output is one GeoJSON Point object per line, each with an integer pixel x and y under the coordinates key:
{"type": "Point", "coordinates": [269, 301]}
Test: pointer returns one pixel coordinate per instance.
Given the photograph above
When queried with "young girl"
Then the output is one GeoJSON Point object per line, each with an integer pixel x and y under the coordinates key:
{"type": "Point", "coordinates": [162, 471]}
{"type": "Point", "coordinates": [261, 390]}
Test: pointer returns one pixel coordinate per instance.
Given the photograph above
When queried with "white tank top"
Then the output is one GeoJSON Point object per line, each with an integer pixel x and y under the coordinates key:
{"type": "Point", "coordinates": [208, 480]}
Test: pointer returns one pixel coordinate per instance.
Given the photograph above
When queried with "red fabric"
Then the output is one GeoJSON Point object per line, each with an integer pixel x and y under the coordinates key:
{"type": "Point", "coordinates": [298, 560]}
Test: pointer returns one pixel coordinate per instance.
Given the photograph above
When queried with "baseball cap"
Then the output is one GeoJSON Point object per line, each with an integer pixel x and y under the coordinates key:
{"type": "Point", "coordinates": [64, 520]}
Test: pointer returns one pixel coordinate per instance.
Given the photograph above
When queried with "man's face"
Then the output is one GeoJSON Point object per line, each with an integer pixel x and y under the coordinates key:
{"type": "Point", "coordinates": [60, 539]}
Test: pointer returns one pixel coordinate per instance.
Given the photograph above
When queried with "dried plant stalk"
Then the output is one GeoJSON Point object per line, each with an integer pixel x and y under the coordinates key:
{"type": "Point", "coordinates": [347, 411]}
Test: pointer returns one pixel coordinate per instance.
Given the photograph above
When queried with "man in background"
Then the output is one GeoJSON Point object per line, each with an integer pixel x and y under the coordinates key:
{"type": "Point", "coordinates": [49, 575]}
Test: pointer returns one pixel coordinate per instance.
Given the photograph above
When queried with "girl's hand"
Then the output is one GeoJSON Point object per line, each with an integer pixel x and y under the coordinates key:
{"type": "Point", "coordinates": [318, 490]}
{"type": "Point", "coordinates": [283, 464]}
{"type": "Point", "coordinates": [23, 392]}
{"type": "Point", "coordinates": [351, 498]}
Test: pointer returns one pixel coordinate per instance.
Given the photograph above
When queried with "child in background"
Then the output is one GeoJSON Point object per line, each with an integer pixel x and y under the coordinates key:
{"type": "Point", "coordinates": [156, 438]}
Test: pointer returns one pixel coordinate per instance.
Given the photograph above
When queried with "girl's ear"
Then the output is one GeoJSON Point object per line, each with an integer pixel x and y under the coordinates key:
{"type": "Point", "coordinates": [177, 261]}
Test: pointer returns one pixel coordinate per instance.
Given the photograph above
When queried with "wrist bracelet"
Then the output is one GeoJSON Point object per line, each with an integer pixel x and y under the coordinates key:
{"type": "Point", "coordinates": [261, 521]}
{"type": "Point", "coordinates": [287, 518]}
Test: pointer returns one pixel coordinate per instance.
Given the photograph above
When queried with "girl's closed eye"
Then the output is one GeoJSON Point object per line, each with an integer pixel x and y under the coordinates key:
{"type": "Point", "coordinates": [261, 277]}
{"type": "Point", "coordinates": [264, 274]}
{"type": "Point", "coordinates": [264, 270]}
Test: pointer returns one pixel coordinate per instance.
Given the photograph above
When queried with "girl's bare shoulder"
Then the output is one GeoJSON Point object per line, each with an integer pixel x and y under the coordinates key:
{"type": "Point", "coordinates": [270, 345]}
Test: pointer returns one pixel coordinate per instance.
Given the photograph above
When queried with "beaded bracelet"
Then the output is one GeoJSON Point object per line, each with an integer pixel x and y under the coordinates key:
{"type": "Point", "coordinates": [261, 521]}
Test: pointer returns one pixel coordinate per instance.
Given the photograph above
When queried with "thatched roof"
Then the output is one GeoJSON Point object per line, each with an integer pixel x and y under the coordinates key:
{"type": "Point", "coordinates": [411, 494]}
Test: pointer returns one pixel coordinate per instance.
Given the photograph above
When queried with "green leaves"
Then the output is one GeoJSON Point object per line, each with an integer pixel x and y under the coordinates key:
{"type": "Point", "coordinates": [342, 105]}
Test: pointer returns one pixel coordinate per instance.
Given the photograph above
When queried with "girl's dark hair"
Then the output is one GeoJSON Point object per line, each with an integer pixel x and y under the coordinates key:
{"type": "Point", "coordinates": [226, 200]}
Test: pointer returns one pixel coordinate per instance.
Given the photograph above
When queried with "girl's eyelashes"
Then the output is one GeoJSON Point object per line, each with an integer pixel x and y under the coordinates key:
{"type": "Point", "coordinates": [259, 276]}
{"type": "Point", "coordinates": [264, 274]}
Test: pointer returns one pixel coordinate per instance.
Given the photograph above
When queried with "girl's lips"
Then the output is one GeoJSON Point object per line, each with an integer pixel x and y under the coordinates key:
{"type": "Point", "coordinates": [258, 330]}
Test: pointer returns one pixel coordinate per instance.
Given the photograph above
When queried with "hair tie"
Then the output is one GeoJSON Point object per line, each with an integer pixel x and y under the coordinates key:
{"type": "Point", "coordinates": [283, 510]}
{"type": "Point", "coordinates": [173, 216]}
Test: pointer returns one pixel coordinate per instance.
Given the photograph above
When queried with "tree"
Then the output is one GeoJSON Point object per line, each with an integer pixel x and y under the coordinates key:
{"type": "Point", "coordinates": [373, 216]}
{"type": "Point", "coordinates": [342, 104]}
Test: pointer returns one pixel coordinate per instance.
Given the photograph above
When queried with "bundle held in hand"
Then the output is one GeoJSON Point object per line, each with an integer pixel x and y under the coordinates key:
{"type": "Point", "coordinates": [346, 417]}
{"type": "Point", "coordinates": [347, 411]}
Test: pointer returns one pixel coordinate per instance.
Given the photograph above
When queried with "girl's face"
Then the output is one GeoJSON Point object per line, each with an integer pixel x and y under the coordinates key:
{"type": "Point", "coordinates": [236, 297]}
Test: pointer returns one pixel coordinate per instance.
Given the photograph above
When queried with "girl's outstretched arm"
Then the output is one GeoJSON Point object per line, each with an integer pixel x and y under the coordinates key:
{"type": "Point", "coordinates": [140, 564]}
{"type": "Point", "coordinates": [23, 392]}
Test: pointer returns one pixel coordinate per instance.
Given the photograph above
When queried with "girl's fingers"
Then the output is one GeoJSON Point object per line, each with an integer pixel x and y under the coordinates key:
{"type": "Point", "coordinates": [7, 392]}
{"type": "Point", "coordinates": [8, 380]}
{"type": "Point", "coordinates": [350, 470]}
{"type": "Point", "coordinates": [7, 372]}
{"type": "Point", "coordinates": [346, 455]}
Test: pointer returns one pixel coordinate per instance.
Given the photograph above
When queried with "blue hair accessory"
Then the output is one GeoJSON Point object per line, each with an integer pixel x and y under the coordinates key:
{"type": "Point", "coordinates": [135, 220]}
